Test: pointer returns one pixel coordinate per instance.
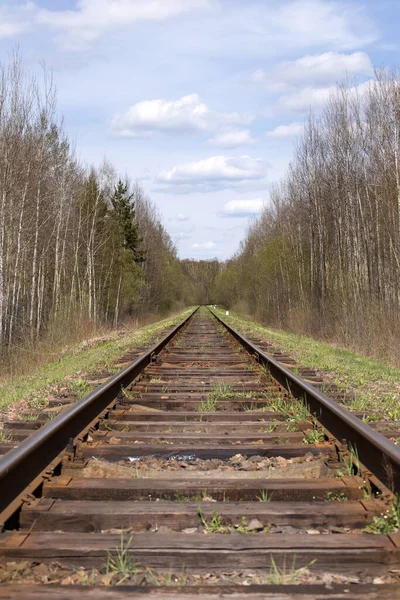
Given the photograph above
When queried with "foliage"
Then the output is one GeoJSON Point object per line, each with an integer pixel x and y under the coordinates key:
{"type": "Point", "coordinates": [323, 257]}
{"type": "Point", "coordinates": [78, 244]}
{"type": "Point", "coordinates": [388, 522]}
{"type": "Point", "coordinates": [286, 574]}
{"type": "Point", "coordinates": [121, 562]}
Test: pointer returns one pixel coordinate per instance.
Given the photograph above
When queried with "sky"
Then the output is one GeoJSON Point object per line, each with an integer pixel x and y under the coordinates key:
{"type": "Point", "coordinates": [199, 100]}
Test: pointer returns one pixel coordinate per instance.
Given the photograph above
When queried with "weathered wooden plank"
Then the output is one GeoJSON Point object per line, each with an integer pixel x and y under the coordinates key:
{"type": "Point", "coordinates": [363, 552]}
{"type": "Point", "coordinates": [95, 516]}
{"type": "Point", "coordinates": [220, 489]}
{"type": "Point", "coordinates": [194, 416]}
{"type": "Point", "coordinates": [231, 592]}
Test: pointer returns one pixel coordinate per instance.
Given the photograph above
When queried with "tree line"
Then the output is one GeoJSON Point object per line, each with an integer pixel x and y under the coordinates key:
{"type": "Point", "coordinates": [76, 242]}
{"type": "Point", "coordinates": [324, 256]}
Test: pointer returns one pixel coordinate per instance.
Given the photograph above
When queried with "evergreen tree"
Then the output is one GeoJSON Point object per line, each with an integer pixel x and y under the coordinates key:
{"type": "Point", "coordinates": [124, 211]}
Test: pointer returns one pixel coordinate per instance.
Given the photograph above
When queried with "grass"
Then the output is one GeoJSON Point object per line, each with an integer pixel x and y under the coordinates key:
{"type": "Point", "coordinates": [214, 525]}
{"type": "Point", "coordinates": [265, 496]}
{"type": "Point", "coordinates": [314, 436]}
{"type": "Point", "coordinates": [335, 497]}
{"type": "Point", "coordinates": [120, 562]}
{"type": "Point", "coordinates": [286, 574]}
{"type": "Point", "coordinates": [36, 387]}
{"type": "Point", "coordinates": [207, 405]}
{"type": "Point", "coordinates": [6, 436]}
{"type": "Point", "coordinates": [377, 383]}
{"type": "Point", "coordinates": [388, 522]}
{"type": "Point", "coordinates": [350, 462]}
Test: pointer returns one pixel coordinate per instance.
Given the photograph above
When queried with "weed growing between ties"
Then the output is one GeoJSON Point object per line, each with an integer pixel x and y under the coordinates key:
{"type": "Point", "coordinates": [207, 405]}
{"type": "Point", "coordinates": [335, 497]}
{"type": "Point", "coordinates": [6, 436]}
{"type": "Point", "coordinates": [350, 463]}
{"type": "Point", "coordinates": [265, 496]}
{"type": "Point", "coordinates": [214, 525]}
{"type": "Point", "coordinates": [286, 574]}
{"type": "Point", "coordinates": [314, 436]}
{"type": "Point", "coordinates": [121, 562]}
{"type": "Point", "coordinates": [387, 522]}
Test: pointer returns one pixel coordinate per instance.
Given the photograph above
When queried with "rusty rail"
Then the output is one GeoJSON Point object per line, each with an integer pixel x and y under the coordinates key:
{"type": "Point", "coordinates": [20, 466]}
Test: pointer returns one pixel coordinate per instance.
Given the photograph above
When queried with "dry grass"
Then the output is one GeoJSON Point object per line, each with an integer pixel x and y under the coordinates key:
{"type": "Point", "coordinates": [39, 376]}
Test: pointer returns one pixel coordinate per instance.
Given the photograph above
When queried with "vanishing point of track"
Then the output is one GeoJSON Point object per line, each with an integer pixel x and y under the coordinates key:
{"type": "Point", "coordinates": [218, 466]}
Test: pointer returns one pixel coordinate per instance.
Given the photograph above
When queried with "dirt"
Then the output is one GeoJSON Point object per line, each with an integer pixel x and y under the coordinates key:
{"type": "Point", "coordinates": [138, 408]}
{"type": "Point", "coordinates": [254, 467]}
{"type": "Point", "coordinates": [25, 572]}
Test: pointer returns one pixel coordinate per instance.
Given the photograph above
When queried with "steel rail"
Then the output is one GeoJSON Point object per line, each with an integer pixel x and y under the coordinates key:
{"type": "Point", "coordinates": [374, 451]}
{"type": "Point", "coordinates": [21, 465]}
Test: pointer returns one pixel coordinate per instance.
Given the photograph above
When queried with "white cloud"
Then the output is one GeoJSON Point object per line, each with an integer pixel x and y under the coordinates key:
{"type": "Point", "coordinates": [242, 208]}
{"type": "Point", "coordinates": [316, 98]}
{"type": "Point", "coordinates": [15, 20]}
{"type": "Point", "coordinates": [214, 173]}
{"type": "Point", "coordinates": [204, 245]}
{"type": "Point", "coordinates": [306, 98]}
{"type": "Point", "coordinates": [232, 139]}
{"type": "Point", "coordinates": [83, 26]}
{"type": "Point", "coordinates": [181, 217]}
{"type": "Point", "coordinates": [186, 115]}
{"type": "Point", "coordinates": [317, 69]}
{"type": "Point", "coordinates": [286, 131]}
{"type": "Point", "coordinates": [315, 22]}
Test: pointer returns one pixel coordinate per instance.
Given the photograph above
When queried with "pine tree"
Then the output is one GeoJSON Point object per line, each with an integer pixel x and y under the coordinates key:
{"type": "Point", "coordinates": [124, 210]}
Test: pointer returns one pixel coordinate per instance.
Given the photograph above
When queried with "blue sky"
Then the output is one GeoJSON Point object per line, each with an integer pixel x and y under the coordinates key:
{"type": "Point", "coordinates": [200, 100]}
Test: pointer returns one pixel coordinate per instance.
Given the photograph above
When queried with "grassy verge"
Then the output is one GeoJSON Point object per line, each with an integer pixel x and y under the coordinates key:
{"type": "Point", "coordinates": [67, 372]}
{"type": "Point", "coordinates": [377, 384]}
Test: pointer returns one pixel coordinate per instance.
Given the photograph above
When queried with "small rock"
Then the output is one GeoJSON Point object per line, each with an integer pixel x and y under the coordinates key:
{"type": "Point", "coordinates": [41, 570]}
{"type": "Point", "coordinates": [378, 580]}
{"type": "Point", "coordinates": [338, 530]}
{"type": "Point", "coordinates": [163, 529]}
{"type": "Point", "coordinates": [313, 532]}
{"type": "Point", "coordinates": [279, 461]}
{"type": "Point", "coordinates": [236, 459]}
{"type": "Point", "coordinates": [190, 530]}
{"type": "Point", "coordinates": [255, 525]}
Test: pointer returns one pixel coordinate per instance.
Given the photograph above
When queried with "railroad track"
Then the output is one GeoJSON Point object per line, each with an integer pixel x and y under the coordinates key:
{"type": "Point", "coordinates": [205, 465]}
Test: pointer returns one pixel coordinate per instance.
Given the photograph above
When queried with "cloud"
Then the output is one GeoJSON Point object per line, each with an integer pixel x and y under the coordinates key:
{"type": "Point", "coordinates": [286, 131]}
{"type": "Point", "coordinates": [204, 245]}
{"type": "Point", "coordinates": [80, 28]}
{"type": "Point", "coordinates": [316, 98]}
{"type": "Point", "coordinates": [317, 69]}
{"type": "Point", "coordinates": [232, 139]}
{"type": "Point", "coordinates": [306, 98]}
{"type": "Point", "coordinates": [186, 115]}
{"type": "Point", "coordinates": [214, 173]}
{"type": "Point", "coordinates": [242, 208]}
{"type": "Point", "coordinates": [15, 20]}
{"type": "Point", "coordinates": [181, 217]}
{"type": "Point", "coordinates": [316, 22]}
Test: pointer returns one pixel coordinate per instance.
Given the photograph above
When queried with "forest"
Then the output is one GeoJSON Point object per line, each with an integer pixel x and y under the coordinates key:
{"type": "Point", "coordinates": [78, 244]}
{"type": "Point", "coordinates": [82, 246]}
{"type": "Point", "coordinates": [323, 258]}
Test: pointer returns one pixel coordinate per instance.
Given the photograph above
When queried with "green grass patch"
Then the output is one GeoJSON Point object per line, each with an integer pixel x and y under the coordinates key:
{"type": "Point", "coordinates": [376, 383]}
{"type": "Point", "coordinates": [67, 372]}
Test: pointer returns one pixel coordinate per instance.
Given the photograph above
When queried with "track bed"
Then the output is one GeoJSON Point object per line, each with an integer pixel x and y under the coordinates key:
{"type": "Point", "coordinates": [207, 475]}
